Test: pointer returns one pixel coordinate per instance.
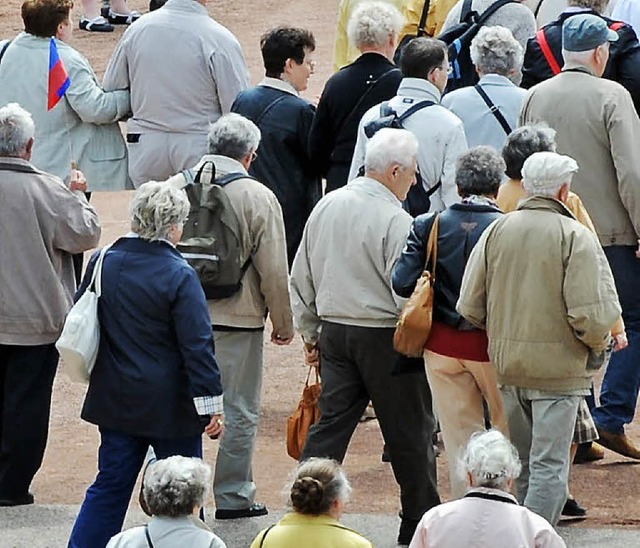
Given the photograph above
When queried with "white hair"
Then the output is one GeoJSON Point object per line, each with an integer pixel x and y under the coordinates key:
{"type": "Point", "coordinates": [16, 130]}
{"type": "Point", "coordinates": [156, 207]}
{"type": "Point", "coordinates": [176, 485]}
{"type": "Point", "coordinates": [388, 147]}
{"type": "Point", "coordinates": [544, 173]}
{"type": "Point", "coordinates": [491, 459]}
{"type": "Point", "coordinates": [234, 136]}
{"type": "Point", "coordinates": [494, 50]}
{"type": "Point", "coordinates": [373, 23]}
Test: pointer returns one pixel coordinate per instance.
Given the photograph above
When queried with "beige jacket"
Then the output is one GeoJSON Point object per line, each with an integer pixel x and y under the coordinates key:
{"type": "Point", "coordinates": [342, 271]}
{"type": "Point", "coordinates": [598, 126]}
{"type": "Point", "coordinates": [42, 223]}
{"type": "Point", "coordinates": [540, 284]}
{"type": "Point", "coordinates": [265, 283]}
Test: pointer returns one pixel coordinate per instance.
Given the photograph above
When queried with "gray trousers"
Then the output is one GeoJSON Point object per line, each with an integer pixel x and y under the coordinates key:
{"type": "Point", "coordinates": [541, 426]}
{"type": "Point", "coordinates": [157, 156]}
{"type": "Point", "coordinates": [356, 366]}
{"type": "Point", "coordinates": [239, 356]}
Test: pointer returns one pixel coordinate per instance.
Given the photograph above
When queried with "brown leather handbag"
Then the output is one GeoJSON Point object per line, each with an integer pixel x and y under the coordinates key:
{"type": "Point", "coordinates": [304, 417]}
{"type": "Point", "coordinates": [414, 323]}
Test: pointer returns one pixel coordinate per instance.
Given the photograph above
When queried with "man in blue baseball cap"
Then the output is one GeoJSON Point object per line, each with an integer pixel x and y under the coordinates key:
{"type": "Point", "coordinates": [597, 124]}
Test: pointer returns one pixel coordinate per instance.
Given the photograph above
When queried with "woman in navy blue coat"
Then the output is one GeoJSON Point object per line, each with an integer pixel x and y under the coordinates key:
{"type": "Point", "coordinates": [156, 381]}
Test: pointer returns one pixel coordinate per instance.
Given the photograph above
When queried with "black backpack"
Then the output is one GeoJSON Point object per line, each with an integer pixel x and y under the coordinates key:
{"type": "Point", "coordinates": [211, 237]}
{"type": "Point", "coordinates": [418, 200]}
{"type": "Point", "coordinates": [459, 38]}
{"type": "Point", "coordinates": [408, 37]}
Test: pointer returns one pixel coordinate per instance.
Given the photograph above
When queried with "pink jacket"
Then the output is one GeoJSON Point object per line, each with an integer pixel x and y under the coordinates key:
{"type": "Point", "coordinates": [472, 522]}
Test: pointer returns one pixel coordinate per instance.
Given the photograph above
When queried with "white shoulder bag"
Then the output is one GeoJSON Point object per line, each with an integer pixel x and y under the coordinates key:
{"type": "Point", "coordinates": [80, 338]}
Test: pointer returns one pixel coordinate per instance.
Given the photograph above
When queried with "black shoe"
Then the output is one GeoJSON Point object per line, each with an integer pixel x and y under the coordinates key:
{"type": "Point", "coordinates": [572, 510]}
{"type": "Point", "coordinates": [407, 530]}
{"type": "Point", "coordinates": [99, 24]}
{"type": "Point", "coordinates": [18, 501]}
{"type": "Point", "coordinates": [119, 18]}
{"type": "Point", "coordinates": [256, 509]}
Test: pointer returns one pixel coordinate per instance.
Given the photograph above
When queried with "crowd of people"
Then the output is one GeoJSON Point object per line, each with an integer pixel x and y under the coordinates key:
{"type": "Point", "coordinates": [525, 184]}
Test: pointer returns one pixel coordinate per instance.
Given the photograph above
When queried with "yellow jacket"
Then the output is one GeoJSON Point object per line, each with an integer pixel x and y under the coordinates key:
{"type": "Point", "coordinates": [295, 530]}
{"type": "Point", "coordinates": [512, 192]}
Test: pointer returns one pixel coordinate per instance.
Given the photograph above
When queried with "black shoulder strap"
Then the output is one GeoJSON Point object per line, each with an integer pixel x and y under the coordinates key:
{"type": "Point", "coordinates": [415, 108]}
{"type": "Point", "coordinates": [265, 535]}
{"type": "Point", "coordinates": [4, 49]}
{"type": "Point", "coordinates": [492, 9]}
{"type": "Point", "coordinates": [490, 496]}
{"type": "Point", "coordinates": [537, 10]}
{"type": "Point", "coordinates": [230, 177]}
{"type": "Point", "coordinates": [269, 107]}
{"type": "Point", "coordinates": [494, 109]}
{"type": "Point", "coordinates": [465, 11]}
{"type": "Point", "coordinates": [423, 19]}
{"type": "Point", "coordinates": [198, 176]}
{"type": "Point", "coordinates": [20, 168]}
{"type": "Point", "coordinates": [146, 534]}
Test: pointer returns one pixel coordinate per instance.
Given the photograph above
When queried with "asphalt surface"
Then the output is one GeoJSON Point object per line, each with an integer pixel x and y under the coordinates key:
{"type": "Point", "coordinates": [41, 526]}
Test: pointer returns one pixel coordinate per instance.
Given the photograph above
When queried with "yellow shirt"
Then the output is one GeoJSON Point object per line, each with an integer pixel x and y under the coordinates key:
{"type": "Point", "coordinates": [296, 530]}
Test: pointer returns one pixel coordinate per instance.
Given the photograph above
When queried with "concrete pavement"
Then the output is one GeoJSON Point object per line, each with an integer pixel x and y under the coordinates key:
{"type": "Point", "coordinates": [49, 526]}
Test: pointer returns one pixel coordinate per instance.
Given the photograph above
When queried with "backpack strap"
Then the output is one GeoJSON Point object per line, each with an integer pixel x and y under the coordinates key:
{"type": "Point", "coordinates": [465, 11]}
{"type": "Point", "coordinates": [415, 108]}
{"type": "Point", "coordinates": [148, 536]}
{"type": "Point", "coordinates": [265, 534]}
{"type": "Point", "coordinates": [494, 109]}
{"type": "Point", "coordinates": [4, 49]}
{"type": "Point", "coordinates": [546, 51]}
{"type": "Point", "coordinates": [423, 19]}
{"type": "Point", "coordinates": [230, 177]}
{"type": "Point", "coordinates": [537, 10]}
{"type": "Point", "coordinates": [614, 26]}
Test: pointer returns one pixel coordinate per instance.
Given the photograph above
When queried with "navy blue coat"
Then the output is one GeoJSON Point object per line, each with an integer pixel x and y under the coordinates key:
{"type": "Point", "coordinates": [156, 343]}
{"type": "Point", "coordinates": [283, 162]}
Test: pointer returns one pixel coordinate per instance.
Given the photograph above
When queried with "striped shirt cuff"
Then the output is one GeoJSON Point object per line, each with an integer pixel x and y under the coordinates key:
{"type": "Point", "coordinates": [208, 405]}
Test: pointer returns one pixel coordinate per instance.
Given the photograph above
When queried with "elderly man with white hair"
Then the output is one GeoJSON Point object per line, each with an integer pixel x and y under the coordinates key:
{"type": "Point", "coordinates": [348, 94]}
{"type": "Point", "coordinates": [489, 110]}
{"type": "Point", "coordinates": [42, 223]}
{"type": "Point", "coordinates": [596, 124]}
{"type": "Point", "coordinates": [538, 281]}
{"type": "Point", "coordinates": [239, 320]}
{"type": "Point", "coordinates": [488, 515]}
{"type": "Point", "coordinates": [344, 308]}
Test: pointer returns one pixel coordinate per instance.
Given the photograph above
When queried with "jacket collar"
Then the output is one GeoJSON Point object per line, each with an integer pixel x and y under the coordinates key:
{"type": "Point", "coordinates": [278, 84]}
{"type": "Point", "coordinates": [374, 188]}
{"type": "Point", "coordinates": [493, 492]}
{"type": "Point", "coordinates": [543, 203]}
{"type": "Point", "coordinates": [373, 58]}
{"type": "Point", "coordinates": [420, 89]}
{"type": "Point", "coordinates": [223, 164]}
{"type": "Point", "coordinates": [139, 245]}
{"type": "Point", "coordinates": [187, 5]}
{"type": "Point", "coordinates": [16, 161]}
{"type": "Point", "coordinates": [496, 80]}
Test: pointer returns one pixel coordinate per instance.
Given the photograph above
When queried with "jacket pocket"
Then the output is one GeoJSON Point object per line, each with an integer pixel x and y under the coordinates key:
{"type": "Point", "coordinates": [106, 143]}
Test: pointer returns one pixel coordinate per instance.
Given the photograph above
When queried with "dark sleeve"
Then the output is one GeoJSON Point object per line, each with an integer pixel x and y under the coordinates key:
{"type": "Point", "coordinates": [312, 175]}
{"type": "Point", "coordinates": [535, 68]}
{"type": "Point", "coordinates": [627, 69]}
{"type": "Point", "coordinates": [411, 263]}
{"type": "Point", "coordinates": [321, 135]}
{"type": "Point", "coordinates": [192, 326]}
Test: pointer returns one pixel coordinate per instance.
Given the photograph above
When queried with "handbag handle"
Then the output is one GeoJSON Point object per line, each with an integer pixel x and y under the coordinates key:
{"type": "Point", "coordinates": [432, 248]}
{"type": "Point", "coordinates": [309, 375]}
{"type": "Point", "coordinates": [96, 275]}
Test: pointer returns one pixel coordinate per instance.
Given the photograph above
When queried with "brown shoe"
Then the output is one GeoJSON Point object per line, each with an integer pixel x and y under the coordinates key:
{"type": "Point", "coordinates": [588, 453]}
{"type": "Point", "coordinates": [618, 443]}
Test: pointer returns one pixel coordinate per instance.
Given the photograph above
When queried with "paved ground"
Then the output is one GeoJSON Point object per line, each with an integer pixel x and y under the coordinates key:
{"type": "Point", "coordinates": [49, 526]}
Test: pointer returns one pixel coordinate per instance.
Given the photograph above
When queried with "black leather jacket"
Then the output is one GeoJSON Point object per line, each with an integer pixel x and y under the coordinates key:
{"type": "Point", "coordinates": [460, 228]}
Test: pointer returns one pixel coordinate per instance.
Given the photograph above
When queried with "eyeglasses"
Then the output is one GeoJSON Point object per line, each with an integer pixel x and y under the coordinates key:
{"type": "Point", "coordinates": [254, 155]}
{"type": "Point", "coordinates": [448, 68]}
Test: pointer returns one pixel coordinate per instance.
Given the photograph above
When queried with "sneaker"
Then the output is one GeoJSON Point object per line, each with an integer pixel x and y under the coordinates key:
{"type": "Point", "coordinates": [99, 24]}
{"type": "Point", "coordinates": [572, 510]}
{"type": "Point", "coordinates": [119, 18]}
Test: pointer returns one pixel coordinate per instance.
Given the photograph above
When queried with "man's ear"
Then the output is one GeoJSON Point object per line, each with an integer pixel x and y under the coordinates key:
{"type": "Point", "coordinates": [29, 147]}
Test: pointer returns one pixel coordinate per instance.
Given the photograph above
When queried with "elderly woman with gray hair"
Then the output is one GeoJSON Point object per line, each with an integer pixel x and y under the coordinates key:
{"type": "Point", "coordinates": [156, 381]}
{"type": "Point", "coordinates": [489, 110]}
{"type": "Point", "coordinates": [488, 515]}
{"type": "Point", "coordinates": [457, 363]}
{"type": "Point", "coordinates": [372, 78]}
{"type": "Point", "coordinates": [174, 489]}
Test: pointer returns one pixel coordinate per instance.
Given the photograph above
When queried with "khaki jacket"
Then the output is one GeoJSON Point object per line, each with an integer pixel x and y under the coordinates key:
{"type": "Point", "coordinates": [42, 223]}
{"type": "Point", "coordinates": [265, 283]}
{"type": "Point", "coordinates": [540, 284]}
{"type": "Point", "coordinates": [598, 126]}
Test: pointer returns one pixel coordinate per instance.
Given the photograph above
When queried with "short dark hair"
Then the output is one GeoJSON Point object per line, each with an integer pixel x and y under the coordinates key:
{"type": "Point", "coordinates": [479, 171]}
{"type": "Point", "coordinates": [284, 43]}
{"type": "Point", "coordinates": [522, 143]}
{"type": "Point", "coordinates": [420, 56]}
{"type": "Point", "coordinates": [42, 17]}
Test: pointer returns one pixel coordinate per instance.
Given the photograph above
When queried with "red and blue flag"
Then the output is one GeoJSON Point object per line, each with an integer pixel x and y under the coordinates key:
{"type": "Point", "coordinates": [59, 80]}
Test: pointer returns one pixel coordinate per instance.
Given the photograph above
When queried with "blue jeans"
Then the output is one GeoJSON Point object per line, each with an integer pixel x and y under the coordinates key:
{"type": "Point", "coordinates": [120, 459]}
{"type": "Point", "coordinates": [621, 381]}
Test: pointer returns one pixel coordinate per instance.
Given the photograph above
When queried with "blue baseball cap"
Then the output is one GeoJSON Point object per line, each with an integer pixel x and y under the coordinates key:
{"type": "Point", "coordinates": [585, 32]}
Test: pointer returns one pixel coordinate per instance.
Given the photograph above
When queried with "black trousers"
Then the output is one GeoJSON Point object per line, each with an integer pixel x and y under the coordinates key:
{"type": "Point", "coordinates": [356, 367]}
{"type": "Point", "coordinates": [26, 381]}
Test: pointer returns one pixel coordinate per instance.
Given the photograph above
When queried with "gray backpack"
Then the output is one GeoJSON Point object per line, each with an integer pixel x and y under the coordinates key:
{"type": "Point", "coordinates": [211, 238]}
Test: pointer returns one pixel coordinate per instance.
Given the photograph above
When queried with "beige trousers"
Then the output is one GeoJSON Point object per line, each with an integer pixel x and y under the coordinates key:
{"type": "Point", "coordinates": [457, 387]}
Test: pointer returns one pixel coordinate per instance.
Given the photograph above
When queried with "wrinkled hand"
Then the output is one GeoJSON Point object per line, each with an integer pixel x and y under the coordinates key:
{"type": "Point", "coordinates": [77, 180]}
{"type": "Point", "coordinates": [621, 341]}
{"type": "Point", "coordinates": [215, 428]}
{"type": "Point", "coordinates": [280, 340]}
{"type": "Point", "coordinates": [312, 354]}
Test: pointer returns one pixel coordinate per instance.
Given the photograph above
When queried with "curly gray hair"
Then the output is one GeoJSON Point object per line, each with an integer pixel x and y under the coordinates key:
{"type": "Point", "coordinates": [373, 23]}
{"type": "Point", "coordinates": [155, 208]}
{"type": "Point", "coordinates": [491, 459]}
{"type": "Point", "coordinates": [176, 485]}
{"type": "Point", "coordinates": [16, 129]}
{"type": "Point", "coordinates": [234, 136]}
{"type": "Point", "coordinates": [522, 143]}
{"type": "Point", "coordinates": [494, 50]}
{"type": "Point", "coordinates": [479, 172]}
